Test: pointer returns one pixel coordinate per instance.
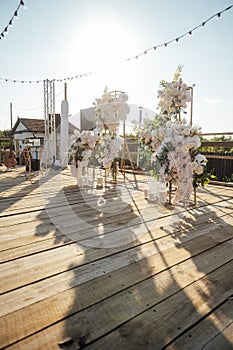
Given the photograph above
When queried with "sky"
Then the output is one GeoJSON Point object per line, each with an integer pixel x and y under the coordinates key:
{"type": "Point", "coordinates": [57, 39]}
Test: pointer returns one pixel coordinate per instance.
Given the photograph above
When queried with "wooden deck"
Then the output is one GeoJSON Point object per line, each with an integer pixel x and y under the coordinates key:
{"type": "Point", "coordinates": [127, 274]}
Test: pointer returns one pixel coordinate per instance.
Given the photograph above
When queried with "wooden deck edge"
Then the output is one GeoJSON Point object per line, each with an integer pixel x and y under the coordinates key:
{"type": "Point", "coordinates": [219, 183]}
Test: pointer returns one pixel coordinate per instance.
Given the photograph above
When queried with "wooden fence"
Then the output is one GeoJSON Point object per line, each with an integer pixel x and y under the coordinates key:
{"type": "Point", "coordinates": [220, 157]}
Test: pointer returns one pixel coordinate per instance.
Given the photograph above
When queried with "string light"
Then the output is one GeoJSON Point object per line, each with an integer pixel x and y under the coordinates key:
{"type": "Point", "coordinates": [10, 23]}
{"type": "Point", "coordinates": [165, 44]}
{"type": "Point", "coordinates": [42, 80]}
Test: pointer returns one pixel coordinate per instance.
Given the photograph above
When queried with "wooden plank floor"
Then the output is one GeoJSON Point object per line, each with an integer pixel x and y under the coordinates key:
{"type": "Point", "coordinates": [77, 272]}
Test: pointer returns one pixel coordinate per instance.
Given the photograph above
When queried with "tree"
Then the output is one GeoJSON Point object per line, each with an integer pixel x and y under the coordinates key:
{"type": "Point", "coordinates": [5, 134]}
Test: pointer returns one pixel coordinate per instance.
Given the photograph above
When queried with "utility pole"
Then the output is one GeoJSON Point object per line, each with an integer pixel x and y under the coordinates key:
{"type": "Point", "coordinates": [11, 116]}
{"type": "Point", "coordinates": [191, 107]}
{"type": "Point", "coordinates": [64, 130]}
{"type": "Point", "coordinates": [50, 147]}
{"type": "Point", "coordinates": [139, 141]}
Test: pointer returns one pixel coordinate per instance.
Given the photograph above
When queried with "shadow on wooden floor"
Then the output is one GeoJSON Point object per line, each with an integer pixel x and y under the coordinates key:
{"type": "Point", "coordinates": [157, 291]}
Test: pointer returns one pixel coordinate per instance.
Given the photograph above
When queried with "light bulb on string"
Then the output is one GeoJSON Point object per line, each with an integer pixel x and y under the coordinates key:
{"type": "Point", "coordinates": [22, 3]}
{"type": "Point", "coordinates": [189, 32]}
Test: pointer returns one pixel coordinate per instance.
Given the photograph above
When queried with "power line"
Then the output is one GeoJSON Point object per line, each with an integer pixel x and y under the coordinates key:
{"type": "Point", "coordinates": [28, 109]}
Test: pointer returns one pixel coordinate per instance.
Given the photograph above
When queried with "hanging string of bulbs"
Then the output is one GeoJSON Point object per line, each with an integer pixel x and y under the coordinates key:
{"type": "Point", "coordinates": [42, 80]}
{"type": "Point", "coordinates": [165, 44]}
{"type": "Point", "coordinates": [15, 15]}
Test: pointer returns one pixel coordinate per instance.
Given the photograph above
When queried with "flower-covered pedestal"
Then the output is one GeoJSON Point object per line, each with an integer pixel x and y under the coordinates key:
{"type": "Point", "coordinates": [103, 144]}
{"type": "Point", "coordinates": [173, 143]}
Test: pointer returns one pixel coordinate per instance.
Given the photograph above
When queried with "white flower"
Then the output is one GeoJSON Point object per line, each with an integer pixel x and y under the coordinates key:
{"type": "Point", "coordinates": [123, 97]}
{"type": "Point", "coordinates": [198, 164]}
{"type": "Point", "coordinates": [110, 110]}
{"type": "Point", "coordinates": [76, 133]}
{"type": "Point", "coordinates": [200, 159]}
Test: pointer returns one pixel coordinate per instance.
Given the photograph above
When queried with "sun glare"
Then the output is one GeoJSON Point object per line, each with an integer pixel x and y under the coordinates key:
{"type": "Point", "coordinates": [103, 44]}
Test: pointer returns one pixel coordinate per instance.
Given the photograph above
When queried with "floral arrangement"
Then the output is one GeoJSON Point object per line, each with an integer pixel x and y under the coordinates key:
{"type": "Point", "coordinates": [172, 142]}
{"type": "Point", "coordinates": [199, 164]}
{"type": "Point", "coordinates": [110, 110]}
{"type": "Point", "coordinates": [81, 148]}
{"type": "Point", "coordinates": [174, 95]}
{"type": "Point", "coordinates": [109, 149]}
{"type": "Point", "coordinates": [200, 174]}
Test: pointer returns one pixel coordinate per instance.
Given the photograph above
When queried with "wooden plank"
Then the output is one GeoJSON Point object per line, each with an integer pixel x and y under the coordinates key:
{"type": "Point", "coordinates": [215, 156]}
{"type": "Point", "coordinates": [163, 322]}
{"type": "Point", "coordinates": [56, 199]}
{"type": "Point", "coordinates": [45, 236]}
{"type": "Point", "coordinates": [109, 263]}
{"type": "Point", "coordinates": [25, 238]}
{"type": "Point", "coordinates": [150, 315]}
{"type": "Point", "coordinates": [216, 133]}
{"type": "Point", "coordinates": [66, 191]}
{"type": "Point", "coordinates": [54, 209]}
{"type": "Point", "coordinates": [217, 144]}
{"type": "Point", "coordinates": [104, 271]}
{"type": "Point", "coordinates": [79, 207]}
{"type": "Point", "coordinates": [214, 194]}
{"type": "Point", "coordinates": [214, 332]}
{"type": "Point", "coordinates": [21, 234]}
{"type": "Point", "coordinates": [12, 209]}
{"type": "Point", "coordinates": [223, 340]}
{"type": "Point", "coordinates": [226, 184]}
{"type": "Point", "coordinates": [31, 240]}
{"type": "Point", "coordinates": [35, 267]}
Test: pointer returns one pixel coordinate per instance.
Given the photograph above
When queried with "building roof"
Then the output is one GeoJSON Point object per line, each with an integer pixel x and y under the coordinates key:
{"type": "Point", "coordinates": [34, 125]}
{"type": "Point", "coordinates": [38, 125]}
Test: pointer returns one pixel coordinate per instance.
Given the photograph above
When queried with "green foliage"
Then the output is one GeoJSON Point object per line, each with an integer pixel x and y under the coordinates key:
{"type": "Point", "coordinates": [144, 159]}
{"type": "Point", "coordinates": [217, 150]}
{"type": "Point", "coordinates": [203, 179]}
{"type": "Point", "coordinates": [5, 134]}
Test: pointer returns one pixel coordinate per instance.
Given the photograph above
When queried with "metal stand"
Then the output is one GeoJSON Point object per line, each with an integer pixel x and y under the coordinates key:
{"type": "Point", "coordinates": [50, 124]}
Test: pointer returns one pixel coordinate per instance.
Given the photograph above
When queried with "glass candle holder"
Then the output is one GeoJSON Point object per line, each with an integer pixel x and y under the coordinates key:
{"type": "Point", "coordinates": [99, 181]}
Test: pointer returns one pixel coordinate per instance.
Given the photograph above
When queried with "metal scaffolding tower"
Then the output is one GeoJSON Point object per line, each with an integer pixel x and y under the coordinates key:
{"type": "Point", "coordinates": [50, 123]}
